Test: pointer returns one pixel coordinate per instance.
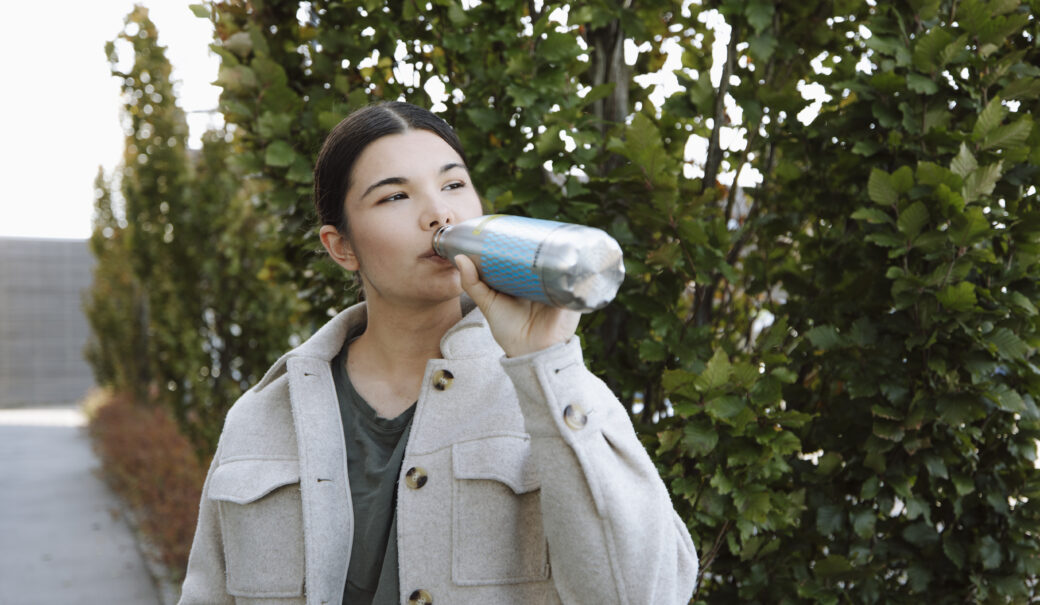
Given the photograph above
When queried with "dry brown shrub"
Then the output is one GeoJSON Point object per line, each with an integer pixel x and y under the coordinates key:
{"type": "Point", "coordinates": [153, 467]}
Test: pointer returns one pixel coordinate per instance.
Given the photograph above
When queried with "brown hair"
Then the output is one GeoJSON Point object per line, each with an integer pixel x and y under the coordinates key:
{"type": "Point", "coordinates": [345, 143]}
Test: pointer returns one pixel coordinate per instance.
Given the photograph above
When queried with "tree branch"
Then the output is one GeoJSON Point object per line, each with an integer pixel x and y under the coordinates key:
{"type": "Point", "coordinates": [714, 159]}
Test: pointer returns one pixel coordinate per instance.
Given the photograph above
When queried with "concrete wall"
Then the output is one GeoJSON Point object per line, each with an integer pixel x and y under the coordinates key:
{"type": "Point", "coordinates": [42, 326]}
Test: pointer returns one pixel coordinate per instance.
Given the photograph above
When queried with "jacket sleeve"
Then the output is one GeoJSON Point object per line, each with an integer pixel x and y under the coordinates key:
{"type": "Point", "coordinates": [614, 536]}
{"type": "Point", "coordinates": [205, 580]}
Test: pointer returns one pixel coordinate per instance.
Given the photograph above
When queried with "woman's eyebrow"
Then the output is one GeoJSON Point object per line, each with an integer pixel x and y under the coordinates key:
{"type": "Point", "coordinates": [400, 180]}
{"type": "Point", "coordinates": [393, 180]}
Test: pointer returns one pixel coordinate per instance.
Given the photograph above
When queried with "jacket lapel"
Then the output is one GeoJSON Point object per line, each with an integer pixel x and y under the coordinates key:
{"type": "Point", "coordinates": [328, 516]}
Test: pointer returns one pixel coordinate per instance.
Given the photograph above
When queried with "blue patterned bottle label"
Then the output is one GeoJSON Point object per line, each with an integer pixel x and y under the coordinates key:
{"type": "Point", "coordinates": [509, 254]}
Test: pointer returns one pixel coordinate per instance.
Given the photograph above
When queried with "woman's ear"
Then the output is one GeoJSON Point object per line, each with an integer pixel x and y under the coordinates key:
{"type": "Point", "coordinates": [339, 248]}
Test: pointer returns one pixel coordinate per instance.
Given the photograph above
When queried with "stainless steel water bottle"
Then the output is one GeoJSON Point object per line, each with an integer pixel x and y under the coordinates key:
{"type": "Point", "coordinates": [558, 264]}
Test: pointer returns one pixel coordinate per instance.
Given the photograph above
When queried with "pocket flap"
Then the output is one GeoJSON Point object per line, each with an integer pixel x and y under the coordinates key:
{"type": "Point", "coordinates": [505, 459]}
{"type": "Point", "coordinates": [245, 481]}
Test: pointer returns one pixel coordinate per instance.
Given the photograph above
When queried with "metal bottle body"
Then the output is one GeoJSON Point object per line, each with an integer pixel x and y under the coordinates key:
{"type": "Point", "coordinates": [554, 263]}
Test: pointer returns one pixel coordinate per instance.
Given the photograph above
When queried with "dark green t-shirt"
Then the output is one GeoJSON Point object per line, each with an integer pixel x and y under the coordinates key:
{"type": "Point", "coordinates": [375, 449]}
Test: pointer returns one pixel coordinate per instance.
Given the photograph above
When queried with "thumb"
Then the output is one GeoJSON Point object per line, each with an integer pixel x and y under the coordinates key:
{"type": "Point", "coordinates": [477, 290]}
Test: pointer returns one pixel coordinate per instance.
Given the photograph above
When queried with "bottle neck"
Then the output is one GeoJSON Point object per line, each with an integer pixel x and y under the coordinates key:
{"type": "Point", "coordinates": [438, 238]}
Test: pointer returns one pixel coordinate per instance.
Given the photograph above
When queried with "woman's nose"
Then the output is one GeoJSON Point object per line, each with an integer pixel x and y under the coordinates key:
{"type": "Point", "coordinates": [436, 215]}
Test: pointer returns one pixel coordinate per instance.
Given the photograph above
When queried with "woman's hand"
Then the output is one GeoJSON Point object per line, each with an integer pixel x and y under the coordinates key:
{"type": "Point", "coordinates": [520, 326]}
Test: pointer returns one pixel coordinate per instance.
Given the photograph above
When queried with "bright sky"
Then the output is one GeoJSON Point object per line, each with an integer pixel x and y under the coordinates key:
{"type": "Point", "coordinates": [59, 113]}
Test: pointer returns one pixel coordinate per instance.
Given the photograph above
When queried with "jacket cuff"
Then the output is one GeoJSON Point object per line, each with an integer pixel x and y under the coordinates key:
{"type": "Point", "coordinates": [558, 395]}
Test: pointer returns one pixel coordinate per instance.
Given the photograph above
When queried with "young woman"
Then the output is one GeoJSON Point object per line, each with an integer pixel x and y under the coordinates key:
{"type": "Point", "coordinates": [425, 445]}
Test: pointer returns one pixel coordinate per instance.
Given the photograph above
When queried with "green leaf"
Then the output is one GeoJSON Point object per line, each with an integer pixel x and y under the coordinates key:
{"type": "Point", "coordinates": [1010, 401]}
{"type": "Point", "coordinates": [716, 373]}
{"type": "Point", "coordinates": [456, 15]}
{"type": "Point", "coordinates": [483, 118]}
{"type": "Point", "coordinates": [921, 84]}
{"type": "Point", "coordinates": [889, 431]}
{"type": "Point", "coordinates": [726, 407]}
{"type": "Point", "coordinates": [829, 519]}
{"type": "Point", "coordinates": [832, 565]}
{"type": "Point", "coordinates": [863, 523]}
{"type": "Point", "coordinates": [920, 576]}
{"type": "Point", "coordinates": [953, 550]}
{"type": "Point", "coordinates": [301, 171]}
{"type": "Point", "coordinates": [957, 410]}
{"type": "Point", "coordinates": [675, 380]}
{"type": "Point", "coordinates": [884, 411]}
{"type": "Point", "coordinates": [239, 43]}
{"type": "Point", "coordinates": [1003, 7]}
{"type": "Point", "coordinates": [558, 47]}
{"type": "Point", "coordinates": [929, 173]}
{"type": "Point", "coordinates": [881, 189]}
{"type": "Point", "coordinates": [886, 240]}
{"type": "Point", "coordinates": [753, 506]}
{"type": "Point", "coordinates": [920, 534]}
{"type": "Point", "coordinates": [700, 436]}
{"type": "Point", "coordinates": [759, 14]}
{"type": "Point", "coordinates": [766, 392]}
{"type": "Point", "coordinates": [891, 46]}
{"type": "Point", "coordinates": [936, 466]}
{"type": "Point", "coordinates": [875, 460]}
{"type": "Point", "coordinates": [991, 117]}
{"type": "Point", "coordinates": [667, 440]}
{"type": "Point", "coordinates": [276, 125]}
{"type": "Point", "coordinates": [969, 227]}
{"type": "Point", "coordinates": [199, 10]}
{"type": "Point", "coordinates": [867, 147]}
{"type": "Point", "coordinates": [869, 489]}
{"type": "Point", "coordinates": [928, 50]}
{"type": "Point", "coordinates": [279, 153]}
{"type": "Point", "coordinates": [784, 375]}
{"type": "Point", "coordinates": [958, 297]}
{"type": "Point", "coordinates": [824, 337]}
{"type": "Point", "coordinates": [1022, 302]}
{"type": "Point", "coordinates": [964, 164]}
{"type": "Point", "coordinates": [990, 552]}
{"type": "Point", "coordinates": [829, 464]}
{"type": "Point", "coordinates": [643, 145]}
{"type": "Point", "coordinates": [762, 47]}
{"type": "Point", "coordinates": [912, 219]}
{"type": "Point", "coordinates": [903, 179]}
{"type": "Point", "coordinates": [1022, 89]}
{"type": "Point", "coordinates": [1010, 135]}
{"type": "Point", "coordinates": [1007, 344]}
{"type": "Point", "coordinates": [601, 91]}
{"type": "Point", "coordinates": [652, 350]}
{"type": "Point", "coordinates": [963, 485]}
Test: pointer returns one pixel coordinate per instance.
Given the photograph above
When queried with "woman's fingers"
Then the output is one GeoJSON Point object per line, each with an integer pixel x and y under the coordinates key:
{"type": "Point", "coordinates": [520, 326]}
{"type": "Point", "coordinates": [477, 290]}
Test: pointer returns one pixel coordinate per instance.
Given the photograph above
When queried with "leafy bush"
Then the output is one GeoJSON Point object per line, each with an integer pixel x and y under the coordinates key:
{"type": "Point", "coordinates": [835, 366]}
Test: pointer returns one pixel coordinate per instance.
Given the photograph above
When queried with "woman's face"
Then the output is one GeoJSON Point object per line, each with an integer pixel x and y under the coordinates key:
{"type": "Point", "coordinates": [403, 188]}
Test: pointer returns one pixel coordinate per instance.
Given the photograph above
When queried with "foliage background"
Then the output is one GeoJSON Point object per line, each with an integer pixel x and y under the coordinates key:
{"type": "Point", "coordinates": [835, 368]}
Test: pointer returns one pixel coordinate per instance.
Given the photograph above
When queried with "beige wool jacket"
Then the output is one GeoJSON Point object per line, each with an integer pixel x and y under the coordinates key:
{"type": "Point", "coordinates": [523, 482]}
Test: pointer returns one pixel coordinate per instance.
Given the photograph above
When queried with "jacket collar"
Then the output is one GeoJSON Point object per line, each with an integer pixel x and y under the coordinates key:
{"type": "Point", "coordinates": [466, 339]}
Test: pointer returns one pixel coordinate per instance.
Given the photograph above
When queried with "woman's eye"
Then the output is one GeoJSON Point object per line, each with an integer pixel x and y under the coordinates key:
{"type": "Point", "coordinates": [455, 185]}
{"type": "Point", "coordinates": [394, 197]}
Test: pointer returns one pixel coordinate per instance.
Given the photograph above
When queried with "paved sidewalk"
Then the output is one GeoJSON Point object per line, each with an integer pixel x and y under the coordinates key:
{"type": "Point", "coordinates": [62, 538]}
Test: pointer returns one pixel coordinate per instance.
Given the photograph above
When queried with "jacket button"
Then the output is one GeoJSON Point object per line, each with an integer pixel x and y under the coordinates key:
{"type": "Point", "coordinates": [574, 417]}
{"type": "Point", "coordinates": [415, 477]}
{"type": "Point", "coordinates": [420, 597]}
{"type": "Point", "coordinates": [442, 380]}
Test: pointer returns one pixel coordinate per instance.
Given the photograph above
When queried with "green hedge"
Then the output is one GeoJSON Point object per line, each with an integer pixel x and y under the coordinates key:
{"type": "Point", "coordinates": [835, 368]}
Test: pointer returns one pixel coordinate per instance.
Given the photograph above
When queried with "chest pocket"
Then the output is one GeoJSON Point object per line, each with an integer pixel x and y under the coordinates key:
{"type": "Point", "coordinates": [261, 525]}
{"type": "Point", "coordinates": [497, 536]}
